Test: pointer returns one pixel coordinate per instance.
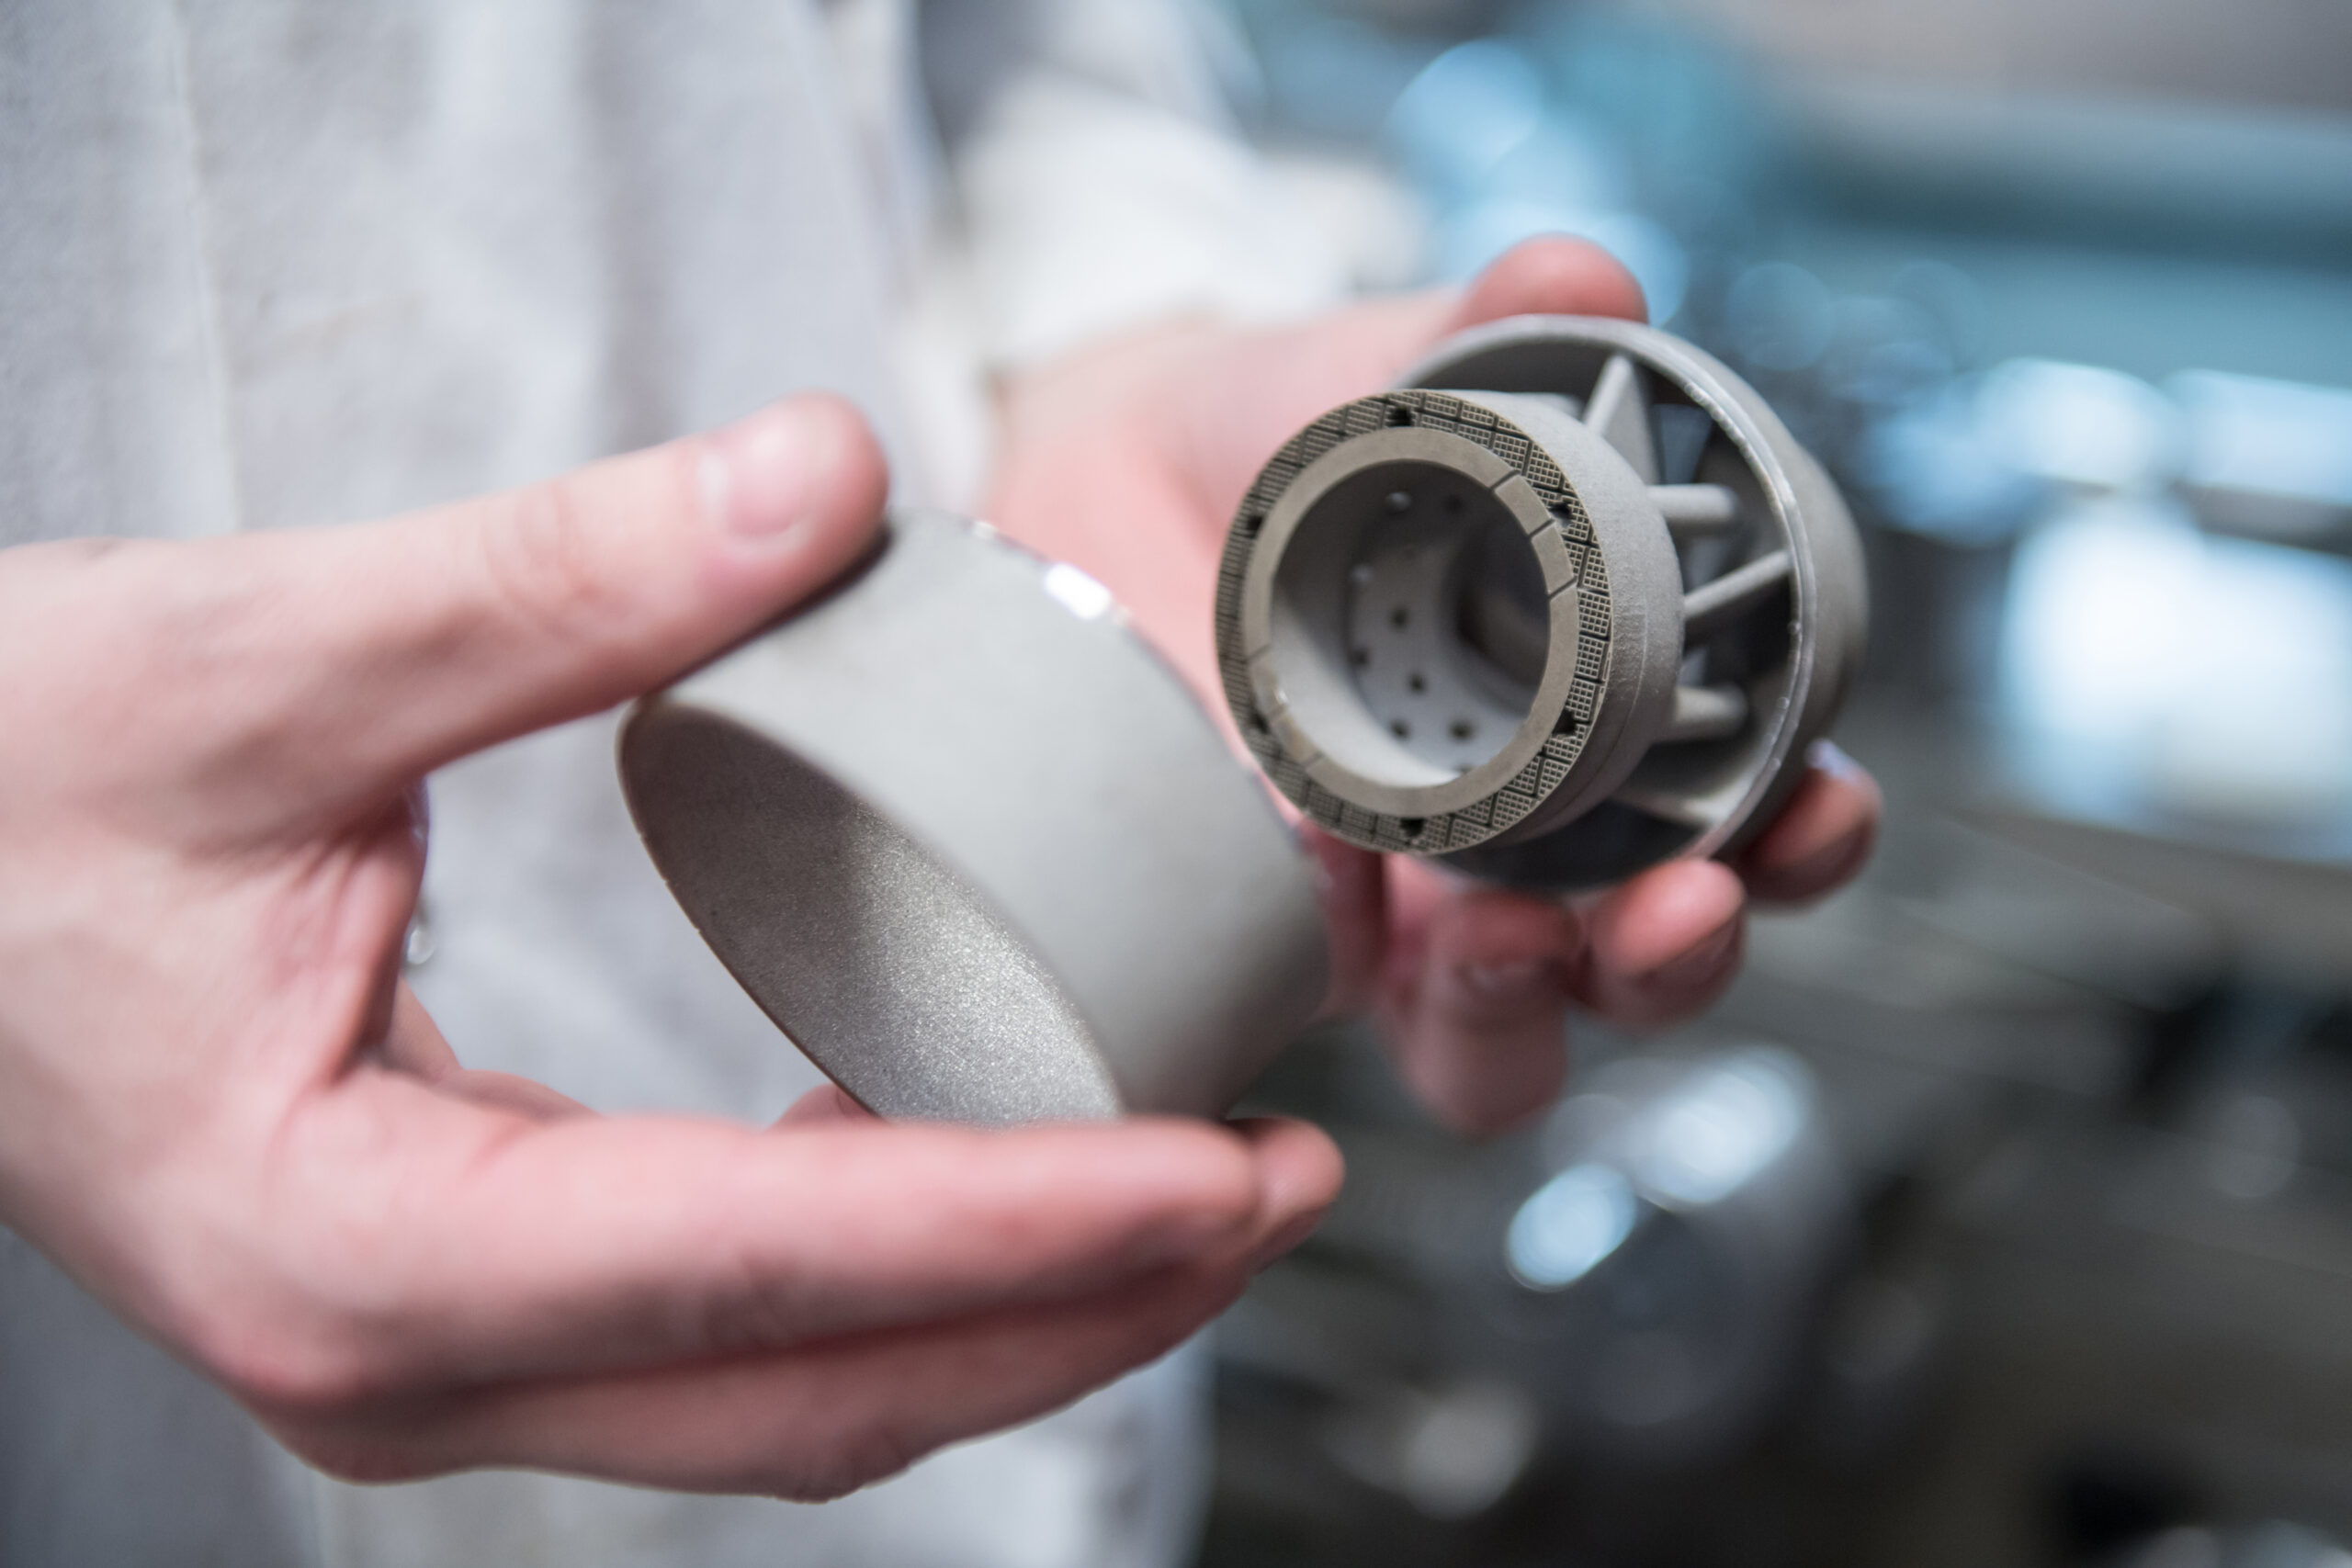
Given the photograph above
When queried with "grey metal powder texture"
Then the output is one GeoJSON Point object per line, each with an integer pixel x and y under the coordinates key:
{"type": "Point", "coordinates": [1703, 606]}
{"type": "Point", "coordinates": [887, 968]}
{"type": "Point", "coordinates": [977, 849]}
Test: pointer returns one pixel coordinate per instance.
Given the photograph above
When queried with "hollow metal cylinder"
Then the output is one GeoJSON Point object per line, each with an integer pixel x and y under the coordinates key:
{"type": "Point", "coordinates": [976, 849]}
{"type": "Point", "coordinates": [1569, 602]}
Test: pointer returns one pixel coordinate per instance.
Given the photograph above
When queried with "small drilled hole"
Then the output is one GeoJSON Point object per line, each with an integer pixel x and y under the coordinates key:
{"type": "Point", "coordinates": [1416, 682]}
{"type": "Point", "coordinates": [1464, 729]}
{"type": "Point", "coordinates": [1360, 655]}
{"type": "Point", "coordinates": [1400, 729]}
{"type": "Point", "coordinates": [1398, 617]}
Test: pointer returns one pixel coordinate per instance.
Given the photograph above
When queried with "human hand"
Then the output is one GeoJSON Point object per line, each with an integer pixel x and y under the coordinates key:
{"type": "Point", "coordinates": [224, 1113]}
{"type": "Point", "coordinates": [1128, 458]}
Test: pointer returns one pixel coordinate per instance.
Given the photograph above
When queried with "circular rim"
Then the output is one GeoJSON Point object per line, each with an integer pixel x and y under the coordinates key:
{"type": "Point", "coordinates": [1827, 599]}
{"type": "Point", "coordinates": [1021, 755]}
{"type": "Point", "coordinates": [1276, 671]}
{"type": "Point", "coordinates": [1409, 425]}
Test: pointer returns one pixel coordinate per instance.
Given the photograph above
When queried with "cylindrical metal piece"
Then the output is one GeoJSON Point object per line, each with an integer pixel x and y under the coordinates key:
{"type": "Point", "coordinates": [976, 849]}
{"type": "Point", "coordinates": [1568, 602]}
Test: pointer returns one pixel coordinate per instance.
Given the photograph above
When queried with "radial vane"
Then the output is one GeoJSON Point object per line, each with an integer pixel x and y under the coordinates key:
{"type": "Point", "coordinates": [1569, 602]}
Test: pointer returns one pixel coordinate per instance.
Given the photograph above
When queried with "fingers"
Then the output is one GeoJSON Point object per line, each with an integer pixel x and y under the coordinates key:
{"type": "Point", "coordinates": [824, 1105]}
{"type": "Point", "coordinates": [412, 1042]}
{"type": "Point", "coordinates": [1822, 834]}
{"type": "Point", "coordinates": [1479, 1002]}
{"type": "Point", "coordinates": [1235, 406]}
{"type": "Point", "coordinates": [337, 663]}
{"type": "Point", "coordinates": [517, 1096]}
{"type": "Point", "coordinates": [499, 617]}
{"type": "Point", "coordinates": [414, 1045]}
{"type": "Point", "coordinates": [808, 1424]}
{"type": "Point", "coordinates": [501, 1248]}
{"type": "Point", "coordinates": [1353, 886]}
{"type": "Point", "coordinates": [1299, 1175]}
{"type": "Point", "coordinates": [1551, 276]}
{"type": "Point", "coordinates": [1664, 944]}
{"type": "Point", "coordinates": [1480, 978]}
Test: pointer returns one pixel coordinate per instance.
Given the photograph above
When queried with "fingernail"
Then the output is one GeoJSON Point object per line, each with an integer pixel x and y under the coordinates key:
{"type": "Point", "coordinates": [1183, 1239]}
{"type": "Point", "coordinates": [1285, 1239]}
{"type": "Point", "coordinates": [762, 475]}
{"type": "Point", "coordinates": [1523, 980]}
{"type": "Point", "coordinates": [1831, 758]}
{"type": "Point", "coordinates": [1699, 967]}
{"type": "Point", "coordinates": [1826, 867]}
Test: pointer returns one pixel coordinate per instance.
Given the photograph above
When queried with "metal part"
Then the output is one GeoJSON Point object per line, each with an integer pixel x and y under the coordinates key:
{"type": "Point", "coordinates": [1569, 602]}
{"type": "Point", "coordinates": [975, 848]}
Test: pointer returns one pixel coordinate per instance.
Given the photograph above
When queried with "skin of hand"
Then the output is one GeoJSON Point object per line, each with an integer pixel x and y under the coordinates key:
{"type": "Point", "coordinates": [224, 1114]}
{"type": "Point", "coordinates": [1128, 459]}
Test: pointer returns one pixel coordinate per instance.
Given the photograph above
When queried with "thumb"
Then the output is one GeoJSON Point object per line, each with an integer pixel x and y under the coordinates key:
{"type": "Point", "coordinates": [1553, 274]}
{"type": "Point", "coordinates": [360, 657]}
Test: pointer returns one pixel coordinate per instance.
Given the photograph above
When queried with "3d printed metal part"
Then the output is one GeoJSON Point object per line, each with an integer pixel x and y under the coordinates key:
{"type": "Point", "coordinates": [976, 849]}
{"type": "Point", "coordinates": [1569, 602]}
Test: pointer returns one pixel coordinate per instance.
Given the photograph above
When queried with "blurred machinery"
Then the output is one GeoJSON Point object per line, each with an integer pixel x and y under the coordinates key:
{"type": "Point", "coordinates": [2039, 1250]}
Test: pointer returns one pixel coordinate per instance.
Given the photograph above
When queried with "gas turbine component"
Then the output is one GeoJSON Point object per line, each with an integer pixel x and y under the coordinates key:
{"type": "Point", "coordinates": [1569, 602]}
{"type": "Point", "coordinates": [975, 848]}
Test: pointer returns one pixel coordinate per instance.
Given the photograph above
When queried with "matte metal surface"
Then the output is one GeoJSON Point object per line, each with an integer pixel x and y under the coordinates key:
{"type": "Point", "coordinates": [975, 848]}
{"type": "Point", "coordinates": [1707, 800]}
{"type": "Point", "coordinates": [1700, 612]}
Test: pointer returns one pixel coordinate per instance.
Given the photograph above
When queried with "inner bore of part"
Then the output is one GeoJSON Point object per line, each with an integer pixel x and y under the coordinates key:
{"type": "Point", "coordinates": [1440, 624]}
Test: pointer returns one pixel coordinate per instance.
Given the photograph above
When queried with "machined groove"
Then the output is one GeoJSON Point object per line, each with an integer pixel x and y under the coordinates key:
{"type": "Point", "coordinates": [1708, 609]}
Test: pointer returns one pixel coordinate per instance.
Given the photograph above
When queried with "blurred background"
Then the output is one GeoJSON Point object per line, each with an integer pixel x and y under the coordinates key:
{"type": "Point", "coordinates": [2003, 1215]}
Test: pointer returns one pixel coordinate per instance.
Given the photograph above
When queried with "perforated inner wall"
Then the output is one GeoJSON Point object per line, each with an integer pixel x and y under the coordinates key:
{"type": "Point", "coordinates": [1543, 774]}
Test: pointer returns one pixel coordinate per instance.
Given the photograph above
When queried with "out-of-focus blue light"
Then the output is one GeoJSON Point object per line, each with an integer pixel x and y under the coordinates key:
{"type": "Point", "coordinates": [1570, 1226]}
{"type": "Point", "coordinates": [2095, 641]}
{"type": "Point", "coordinates": [1721, 1129]}
{"type": "Point", "coordinates": [1779, 317]}
{"type": "Point", "coordinates": [1333, 75]}
{"type": "Point", "coordinates": [1953, 298]}
{"type": "Point", "coordinates": [1975, 460]}
{"type": "Point", "coordinates": [2216, 672]}
{"type": "Point", "coordinates": [2080, 424]}
{"type": "Point", "coordinates": [2279, 438]}
{"type": "Point", "coordinates": [1885, 353]}
{"type": "Point", "coordinates": [1568, 161]}
{"type": "Point", "coordinates": [1933, 471]}
{"type": "Point", "coordinates": [1467, 110]}
{"type": "Point", "coordinates": [1500, 165]}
